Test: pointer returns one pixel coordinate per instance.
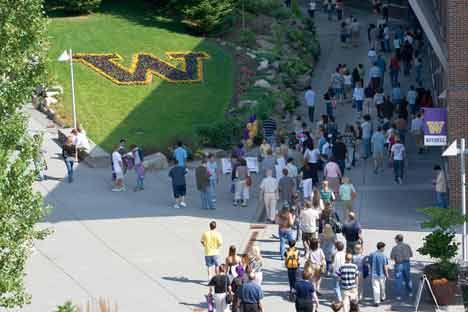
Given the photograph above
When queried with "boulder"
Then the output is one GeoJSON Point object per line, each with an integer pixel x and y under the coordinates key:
{"type": "Point", "coordinates": [302, 82]}
{"type": "Point", "coordinates": [263, 65]}
{"type": "Point", "coordinates": [264, 44]}
{"type": "Point", "coordinates": [262, 83]}
{"type": "Point", "coordinates": [155, 162]}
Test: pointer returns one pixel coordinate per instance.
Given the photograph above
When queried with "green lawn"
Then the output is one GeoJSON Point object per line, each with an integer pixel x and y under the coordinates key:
{"type": "Point", "coordinates": [153, 115]}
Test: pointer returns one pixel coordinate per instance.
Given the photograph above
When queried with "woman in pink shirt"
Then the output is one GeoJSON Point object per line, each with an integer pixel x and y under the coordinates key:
{"type": "Point", "coordinates": [332, 174]}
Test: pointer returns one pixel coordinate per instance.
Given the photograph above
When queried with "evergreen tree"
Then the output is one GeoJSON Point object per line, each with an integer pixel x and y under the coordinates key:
{"type": "Point", "coordinates": [22, 67]}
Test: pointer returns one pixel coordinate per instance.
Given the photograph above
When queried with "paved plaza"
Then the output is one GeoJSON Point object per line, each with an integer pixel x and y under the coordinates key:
{"type": "Point", "coordinates": [136, 250]}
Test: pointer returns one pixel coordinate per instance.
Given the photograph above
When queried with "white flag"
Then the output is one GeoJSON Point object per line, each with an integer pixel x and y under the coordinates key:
{"type": "Point", "coordinates": [64, 56]}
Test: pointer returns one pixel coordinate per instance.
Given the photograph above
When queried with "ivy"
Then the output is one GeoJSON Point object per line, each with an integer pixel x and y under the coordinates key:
{"type": "Point", "coordinates": [22, 68]}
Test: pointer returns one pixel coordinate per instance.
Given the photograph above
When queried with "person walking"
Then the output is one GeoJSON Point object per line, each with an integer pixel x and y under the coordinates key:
{"type": "Point", "coordinates": [352, 231]}
{"type": "Point", "coordinates": [69, 157]}
{"type": "Point", "coordinates": [310, 102]}
{"type": "Point", "coordinates": [411, 98]}
{"type": "Point", "coordinates": [382, 65]}
{"type": "Point", "coordinates": [379, 273]}
{"type": "Point", "coordinates": [269, 190]}
{"type": "Point", "coordinates": [286, 188]}
{"type": "Point", "coordinates": [219, 284]}
{"type": "Point", "coordinates": [401, 255]}
{"type": "Point", "coordinates": [339, 259]}
{"type": "Point", "coordinates": [213, 171]}
{"type": "Point", "coordinates": [309, 217]}
{"type": "Point", "coordinates": [242, 184]}
{"type": "Point", "coordinates": [396, 95]}
{"type": "Point", "coordinates": [232, 261]}
{"type": "Point", "coordinates": [212, 242]}
{"type": "Point", "coordinates": [340, 152]}
{"type": "Point", "coordinates": [378, 101]}
{"type": "Point", "coordinates": [375, 77]}
{"type": "Point", "coordinates": [269, 129]}
{"type": "Point", "coordinates": [118, 165]}
{"type": "Point", "coordinates": [398, 157]}
{"type": "Point", "coordinates": [366, 127]}
{"type": "Point", "coordinates": [268, 163]}
{"type": "Point", "coordinates": [137, 155]}
{"type": "Point", "coordinates": [417, 129]}
{"type": "Point", "coordinates": [358, 96]}
{"type": "Point", "coordinates": [317, 260]}
{"type": "Point", "coordinates": [256, 264]}
{"type": "Point", "coordinates": [180, 154]}
{"type": "Point", "coordinates": [327, 243]}
{"type": "Point", "coordinates": [250, 296]}
{"type": "Point", "coordinates": [378, 149]}
{"type": "Point", "coordinates": [347, 195]}
{"type": "Point", "coordinates": [355, 32]}
{"type": "Point", "coordinates": [179, 188]}
{"type": "Point", "coordinates": [306, 294]}
{"type": "Point", "coordinates": [309, 176]}
{"type": "Point", "coordinates": [312, 7]}
{"type": "Point", "coordinates": [202, 178]}
{"type": "Point", "coordinates": [332, 174]}
{"type": "Point", "coordinates": [292, 264]}
{"type": "Point", "coordinates": [360, 260]}
{"type": "Point", "coordinates": [394, 69]}
{"type": "Point", "coordinates": [348, 273]}
{"type": "Point", "coordinates": [440, 187]}
{"type": "Point", "coordinates": [285, 220]}
{"type": "Point", "coordinates": [402, 124]}
{"type": "Point", "coordinates": [418, 65]}
{"type": "Point", "coordinates": [337, 85]}
{"type": "Point", "coordinates": [349, 139]}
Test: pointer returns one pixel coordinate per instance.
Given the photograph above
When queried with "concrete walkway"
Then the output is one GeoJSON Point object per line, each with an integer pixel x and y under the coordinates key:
{"type": "Point", "coordinates": [136, 250]}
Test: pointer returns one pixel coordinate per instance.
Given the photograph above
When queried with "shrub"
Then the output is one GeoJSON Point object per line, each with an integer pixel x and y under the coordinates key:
{"type": "Point", "coordinates": [75, 6]}
{"type": "Point", "coordinates": [66, 307]}
{"type": "Point", "coordinates": [220, 134]}
{"type": "Point", "coordinates": [281, 13]}
{"type": "Point", "coordinates": [261, 6]}
{"type": "Point", "coordinates": [207, 15]}
{"type": "Point", "coordinates": [247, 37]}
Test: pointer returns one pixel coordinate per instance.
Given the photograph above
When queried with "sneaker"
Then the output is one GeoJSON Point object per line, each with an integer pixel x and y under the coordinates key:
{"type": "Point", "coordinates": [244, 204]}
{"type": "Point", "coordinates": [214, 200]}
{"type": "Point", "coordinates": [398, 298]}
{"type": "Point", "coordinates": [176, 206]}
{"type": "Point", "coordinates": [183, 204]}
{"type": "Point", "coordinates": [400, 181]}
{"type": "Point", "coordinates": [116, 189]}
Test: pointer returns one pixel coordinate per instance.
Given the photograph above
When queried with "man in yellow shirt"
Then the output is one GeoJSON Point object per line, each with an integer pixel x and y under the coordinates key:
{"type": "Point", "coordinates": [212, 242]}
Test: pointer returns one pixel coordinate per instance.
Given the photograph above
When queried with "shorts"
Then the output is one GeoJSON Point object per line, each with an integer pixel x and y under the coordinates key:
{"type": "Point", "coordinates": [211, 261]}
{"type": "Point", "coordinates": [179, 190]}
{"type": "Point", "coordinates": [308, 236]}
{"type": "Point", "coordinates": [378, 155]}
{"type": "Point", "coordinates": [119, 175]}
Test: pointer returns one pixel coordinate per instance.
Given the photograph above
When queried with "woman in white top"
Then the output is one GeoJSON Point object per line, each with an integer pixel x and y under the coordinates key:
{"type": "Point", "coordinates": [348, 84]}
{"type": "Point", "coordinates": [318, 262]}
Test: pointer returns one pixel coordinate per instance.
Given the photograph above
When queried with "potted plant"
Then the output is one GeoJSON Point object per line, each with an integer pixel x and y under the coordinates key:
{"type": "Point", "coordinates": [441, 246]}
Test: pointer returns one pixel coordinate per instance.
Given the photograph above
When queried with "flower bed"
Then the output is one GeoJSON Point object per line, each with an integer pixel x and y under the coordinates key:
{"type": "Point", "coordinates": [145, 65]}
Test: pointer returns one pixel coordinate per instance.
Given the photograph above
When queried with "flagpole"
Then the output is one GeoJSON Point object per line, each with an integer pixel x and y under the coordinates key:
{"type": "Point", "coordinates": [72, 89]}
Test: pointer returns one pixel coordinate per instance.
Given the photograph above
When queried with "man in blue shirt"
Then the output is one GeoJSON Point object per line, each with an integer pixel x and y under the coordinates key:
{"type": "Point", "coordinates": [396, 95]}
{"type": "Point", "coordinates": [250, 296]}
{"type": "Point", "coordinates": [382, 66]}
{"type": "Point", "coordinates": [306, 296]}
{"type": "Point", "coordinates": [379, 272]}
{"type": "Point", "coordinates": [180, 155]}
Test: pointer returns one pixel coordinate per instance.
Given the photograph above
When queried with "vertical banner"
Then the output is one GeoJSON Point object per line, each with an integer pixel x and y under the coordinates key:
{"type": "Point", "coordinates": [435, 126]}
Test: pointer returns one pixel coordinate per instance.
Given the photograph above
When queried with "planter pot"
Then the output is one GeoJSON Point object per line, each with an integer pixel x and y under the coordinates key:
{"type": "Point", "coordinates": [444, 293]}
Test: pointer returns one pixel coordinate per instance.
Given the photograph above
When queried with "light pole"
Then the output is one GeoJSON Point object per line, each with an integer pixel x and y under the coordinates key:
{"type": "Point", "coordinates": [452, 151]}
{"type": "Point", "coordinates": [68, 56]}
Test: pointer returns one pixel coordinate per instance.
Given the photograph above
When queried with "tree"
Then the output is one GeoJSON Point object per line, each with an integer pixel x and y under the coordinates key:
{"type": "Point", "coordinates": [75, 6]}
{"type": "Point", "coordinates": [208, 15]}
{"type": "Point", "coordinates": [22, 67]}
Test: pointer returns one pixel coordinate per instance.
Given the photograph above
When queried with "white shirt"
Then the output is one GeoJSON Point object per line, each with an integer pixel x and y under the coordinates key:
{"type": "Point", "coordinates": [372, 53]}
{"type": "Point", "coordinates": [312, 5]}
{"type": "Point", "coordinates": [348, 79]}
{"type": "Point", "coordinates": [358, 94]}
{"type": "Point", "coordinates": [312, 155]}
{"type": "Point", "coordinates": [366, 130]}
{"type": "Point", "coordinates": [116, 161]}
{"type": "Point", "coordinates": [309, 219]}
{"type": "Point", "coordinates": [269, 185]}
{"type": "Point", "coordinates": [339, 260]}
{"type": "Point", "coordinates": [398, 151]}
{"type": "Point", "coordinates": [411, 97]}
{"type": "Point", "coordinates": [378, 99]}
{"type": "Point", "coordinates": [292, 170]}
{"type": "Point", "coordinates": [310, 98]}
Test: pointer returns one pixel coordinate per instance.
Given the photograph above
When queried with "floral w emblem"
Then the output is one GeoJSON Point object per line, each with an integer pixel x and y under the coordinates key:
{"type": "Point", "coordinates": [145, 65]}
{"type": "Point", "coordinates": [435, 127]}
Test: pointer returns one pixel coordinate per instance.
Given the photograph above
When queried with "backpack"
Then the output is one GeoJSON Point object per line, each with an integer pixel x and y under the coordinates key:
{"type": "Point", "coordinates": [292, 258]}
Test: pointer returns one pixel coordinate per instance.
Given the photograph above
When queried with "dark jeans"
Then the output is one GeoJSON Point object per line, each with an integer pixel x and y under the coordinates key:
{"type": "Point", "coordinates": [359, 105]}
{"type": "Point", "coordinates": [398, 168]}
{"type": "Point", "coordinates": [394, 76]}
{"type": "Point", "coordinates": [402, 274]}
{"type": "Point", "coordinates": [250, 307]}
{"type": "Point", "coordinates": [441, 199]}
{"type": "Point", "coordinates": [311, 111]}
{"type": "Point", "coordinates": [292, 276]}
{"type": "Point", "coordinates": [329, 109]}
{"type": "Point", "coordinates": [342, 164]}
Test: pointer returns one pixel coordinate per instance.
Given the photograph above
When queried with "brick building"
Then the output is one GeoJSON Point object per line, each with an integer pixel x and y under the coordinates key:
{"type": "Point", "coordinates": [445, 25]}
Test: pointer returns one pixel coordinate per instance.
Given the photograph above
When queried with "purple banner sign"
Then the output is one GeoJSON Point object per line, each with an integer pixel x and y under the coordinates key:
{"type": "Point", "coordinates": [435, 126]}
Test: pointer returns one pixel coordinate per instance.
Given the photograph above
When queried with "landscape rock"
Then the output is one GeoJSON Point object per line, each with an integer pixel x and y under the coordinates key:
{"type": "Point", "coordinates": [238, 48]}
{"type": "Point", "coordinates": [251, 55]}
{"type": "Point", "coordinates": [302, 82]}
{"type": "Point", "coordinates": [246, 103]}
{"type": "Point", "coordinates": [263, 65]}
{"type": "Point", "coordinates": [262, 83]}
{"type": "Point", "coordinates": [155, 162]}
{"type": "Point", "coordinates": [264, 44]}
